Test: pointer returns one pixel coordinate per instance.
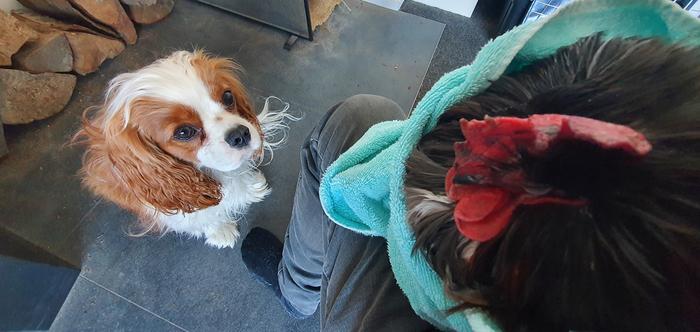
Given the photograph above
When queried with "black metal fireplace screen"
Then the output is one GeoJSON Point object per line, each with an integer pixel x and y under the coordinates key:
{"type": "Point", "coordinates": [288, 15]}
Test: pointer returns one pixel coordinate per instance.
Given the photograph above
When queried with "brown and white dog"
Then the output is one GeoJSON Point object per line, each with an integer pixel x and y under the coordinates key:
{"type": "Point", "coordinates": [178, 144]}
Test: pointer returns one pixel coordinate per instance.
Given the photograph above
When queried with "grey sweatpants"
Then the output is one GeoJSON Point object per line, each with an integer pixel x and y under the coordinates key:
{"type": "Point", "coordinates": [347, 273]}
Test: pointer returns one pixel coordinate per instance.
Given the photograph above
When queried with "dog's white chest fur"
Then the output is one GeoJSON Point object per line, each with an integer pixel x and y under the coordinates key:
{"type": "Point", "coordinates": [219, 223]}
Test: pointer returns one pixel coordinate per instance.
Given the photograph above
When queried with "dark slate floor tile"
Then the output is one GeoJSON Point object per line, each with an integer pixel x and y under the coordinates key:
{"type": "Point", "coordinates": [91, 307]}
{"type": "Point", "coordinates": [179, 278]}
{"type": "Point", "coordinates": [32, 293]}
{"type": "Point", "coordinates": [274, 212]}
{"type": "Point", "coordinates": [41, 198]}
{"type": "Point", "coordinates": [463, 36]}
{"type": "Point", "coordinates": [369, 49]}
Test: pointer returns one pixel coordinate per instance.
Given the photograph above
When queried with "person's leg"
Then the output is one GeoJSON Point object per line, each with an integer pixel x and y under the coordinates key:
{"type": "Point", "coordinates": [347, 273]}
{"type": "Point", "coordinates": [308, 232]}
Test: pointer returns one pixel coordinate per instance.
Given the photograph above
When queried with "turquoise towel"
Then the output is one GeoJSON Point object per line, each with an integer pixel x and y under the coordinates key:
{"type": "Point", "coordinates": [363, 189]}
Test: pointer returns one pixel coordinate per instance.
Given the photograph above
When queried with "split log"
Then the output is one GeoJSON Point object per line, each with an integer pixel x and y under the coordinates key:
{"type": "Point", "coordinates": [321, 10]}
{"type": "Point", "coordinates": [26, 97]}
{"type": "Point", "coordinates": [3, 145]}
{"type": "Point", "coordinates": [50, 53]}
{"type": "Point", "coordinates": [63, 10]}
{"type": "Point", "coordinates": [13, 34]}
{"type": "Point", "coordinates": [89, 48]}
{"type": "Point", "coordinates": [139, 2]}
{"type": "Point", "coordinates": [149, 13]}
{"type": "Point", "coordinates": [89, 51]}
{"type": "Point", "coordinates": [46, 24]}
{"type": "Point", "coordinates": [111, 13]}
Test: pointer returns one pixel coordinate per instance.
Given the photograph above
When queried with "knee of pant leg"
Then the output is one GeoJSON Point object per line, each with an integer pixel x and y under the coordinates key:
{"type": "Point", "coordinates": [367, 109]}
{"type": "Point", "coordinates": [360, 112]}
{"type": "Point", "coordinates": [349, 120]}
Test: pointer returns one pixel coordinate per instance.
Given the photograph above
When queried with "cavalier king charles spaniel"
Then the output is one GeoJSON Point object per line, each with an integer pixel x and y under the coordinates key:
{"type": "Point", "coordinates": [177, 143]}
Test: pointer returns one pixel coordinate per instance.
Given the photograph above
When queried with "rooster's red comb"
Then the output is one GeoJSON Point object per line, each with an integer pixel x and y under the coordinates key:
{"type": "Point", "coordinates": [487, 181]}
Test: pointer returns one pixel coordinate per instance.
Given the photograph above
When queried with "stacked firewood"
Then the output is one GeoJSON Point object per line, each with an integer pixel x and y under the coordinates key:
{"type": "Point", "coordinates": [44, 46]}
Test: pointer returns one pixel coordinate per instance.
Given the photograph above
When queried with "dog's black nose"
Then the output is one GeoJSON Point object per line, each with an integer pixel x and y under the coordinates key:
{"type": "Point", "coordinates": [238, 137]}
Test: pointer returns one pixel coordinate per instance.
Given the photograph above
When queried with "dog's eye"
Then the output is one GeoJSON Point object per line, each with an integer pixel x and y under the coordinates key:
{"type": "Point", "coordinates": [185, 133]}
{"type": "Point", "coordinates": [228, 99]}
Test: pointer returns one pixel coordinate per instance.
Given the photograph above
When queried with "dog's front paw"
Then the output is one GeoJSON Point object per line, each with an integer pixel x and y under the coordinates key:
{"type": "Point", "coordinates": [225, 235]}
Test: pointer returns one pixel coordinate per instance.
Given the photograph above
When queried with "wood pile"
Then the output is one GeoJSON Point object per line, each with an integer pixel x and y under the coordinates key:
{"type": "Point", "coordinates": [321, 10]}
{"type": "Point", "coordinates": [44, 46]}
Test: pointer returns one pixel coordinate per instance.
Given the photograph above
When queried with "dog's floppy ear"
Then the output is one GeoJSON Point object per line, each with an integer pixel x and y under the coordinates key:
{"type": "Point", "coordinates": [131, 170]}
{"type": "Point", "coordinates": [156, 178]}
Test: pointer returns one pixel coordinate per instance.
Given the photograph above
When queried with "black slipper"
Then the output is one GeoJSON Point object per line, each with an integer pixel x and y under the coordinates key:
{"type": "Point", "coordinates": [262, 252]}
